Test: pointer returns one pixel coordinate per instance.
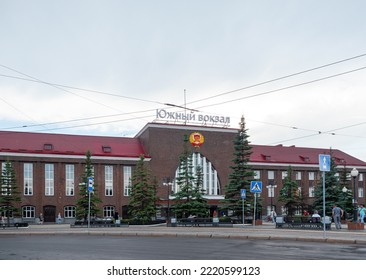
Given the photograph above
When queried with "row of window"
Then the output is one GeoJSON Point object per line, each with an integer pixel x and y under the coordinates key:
{"type": "Point", "coordinates": [28, 179]}
{"type": "Point", "coordinates": [298, 175]}
{"type": "Point", "coordinates": [68, 213]}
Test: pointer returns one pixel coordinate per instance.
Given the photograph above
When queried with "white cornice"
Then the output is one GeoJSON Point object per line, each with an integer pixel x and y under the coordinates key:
{"type": "Point", "coordinates": [64, 156]}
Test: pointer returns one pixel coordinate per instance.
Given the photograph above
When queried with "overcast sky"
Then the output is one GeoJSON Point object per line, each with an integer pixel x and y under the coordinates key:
{"type": "Point", "coordinates": [105, 67]}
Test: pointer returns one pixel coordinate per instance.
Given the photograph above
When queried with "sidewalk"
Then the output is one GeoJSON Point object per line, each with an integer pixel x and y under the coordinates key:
{"type": "Point", "coordinates": [267, 231]}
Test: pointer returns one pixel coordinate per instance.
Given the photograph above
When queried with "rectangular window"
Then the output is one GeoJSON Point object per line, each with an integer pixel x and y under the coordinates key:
{"type": "Point", "coordinates": [360, 177]}
{"type": "Point", "coordinates": [70, 180]}
{"type": "Point", "coordinates": [28, 179]}
{"type": "Point", "coordinates": [69, 212]}
{"type": "Point", "coordinates": [298, 175]}
{"type": "Point", "coordinates": [284, 175]}
{"type": "Point", "coordinates": [49, 179]}
{"type": "Point", "coordinates": [311, 176]}
{"type": "Point", "coordinates": [108, 180]}
{"type": "Point", "coordinates": [4, 188]}
{"type": "Point", "coordinates": [360, 192]}
{"type": "Point", "coordinates": [257, 174]}
{"type": "Point", "coordinates": [270, 175]}
{"type": "Point", "coordinates": [311, 191]}
{"type": "Point", "coordinates": [127, 174]}
{"type": "Point", "coordinates": [108, 211]}
{"type": "Point", "coordinates": [28, 212]}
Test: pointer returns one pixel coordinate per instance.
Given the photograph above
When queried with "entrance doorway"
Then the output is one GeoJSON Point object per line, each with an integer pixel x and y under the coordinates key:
{"type": "Point", "coordinates": [49, 213]}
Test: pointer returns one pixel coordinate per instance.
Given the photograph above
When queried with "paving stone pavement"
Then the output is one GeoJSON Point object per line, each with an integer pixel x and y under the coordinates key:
{"type": "Point", "coordinates": [267, 231]}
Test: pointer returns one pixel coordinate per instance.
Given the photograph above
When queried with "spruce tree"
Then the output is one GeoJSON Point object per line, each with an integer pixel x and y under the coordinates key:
{"type": "Point", "coordinates": [82, 203]}
{"type": "Point", "coordinates": [189, 200]}
{"type": "Point", "coordinates": [143, 194]}
{"type": "Point", "coordinates": [9, 193]}
{"type": "Point", "coordinates": [290, 194]}
{"type": "Point", "coordinates": [241, 176]}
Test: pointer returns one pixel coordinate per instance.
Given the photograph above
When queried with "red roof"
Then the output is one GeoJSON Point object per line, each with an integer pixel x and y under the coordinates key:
{"type": "Point", "coordinates": [47, 143]}
{"type": "Point", "coordinates": [298, 155]}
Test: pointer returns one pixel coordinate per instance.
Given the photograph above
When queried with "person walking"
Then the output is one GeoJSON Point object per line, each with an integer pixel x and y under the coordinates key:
{"type": "Point", "coordinates": [337, 213]}
{"type": "Point", "coordinates": [3, 222]}
{"type": "Point", "coordinates": [362, 212]}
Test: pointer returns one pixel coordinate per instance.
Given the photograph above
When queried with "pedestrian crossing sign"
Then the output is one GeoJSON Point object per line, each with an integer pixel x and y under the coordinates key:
{"type": "Point", "coordinates": [255, 186]}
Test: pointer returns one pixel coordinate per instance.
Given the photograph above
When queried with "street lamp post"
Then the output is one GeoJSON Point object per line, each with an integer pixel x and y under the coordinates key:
{"type": "Point", "coordinates": [168, 184]}
{"type": "Point", "coordinates": [354, 174]}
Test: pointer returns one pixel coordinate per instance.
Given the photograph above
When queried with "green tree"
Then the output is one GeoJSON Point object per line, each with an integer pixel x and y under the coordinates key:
{"type": "Point", "coordinates": [9, 193]}
{"type": "Point", "coordinates": [189, 199]}
{"type": "Point", "coordinates": [333, 189]}
{"type": "Point", "coordinates": [241, 176]}
{"type": "Point", "coordinates": [291, 195]}
{"type": "Point", "coordinates": [142, 205]}
{"type": "Point", "coordinates": [82, 203]}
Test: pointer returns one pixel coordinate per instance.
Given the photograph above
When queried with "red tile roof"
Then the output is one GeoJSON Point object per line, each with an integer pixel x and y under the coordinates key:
{"type": "Point", "coordinates": [27, 142]}
{"type": "Point", "coordinates": [298, 155]}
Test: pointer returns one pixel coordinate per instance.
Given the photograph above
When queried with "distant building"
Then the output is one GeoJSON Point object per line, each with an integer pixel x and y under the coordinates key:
{"type": "Point", "coordinates": [49, 167]}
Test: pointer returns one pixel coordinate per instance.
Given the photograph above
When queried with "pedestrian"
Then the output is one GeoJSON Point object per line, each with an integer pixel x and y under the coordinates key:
{"type": "Point", "coordinates": [362, 212]}
{"type": "Point", "coordinates": [337, 213]}
{"type": "Point", "coordinates": [3, 221]}
{"type": "Point", "coordinates": [315, 217]}
{"type": "Point", "coordinates": [59, 218]}
{"type": "Point", "coordinates": [41, 218]}
{"type": "Point", "coordinates": [273, 216]}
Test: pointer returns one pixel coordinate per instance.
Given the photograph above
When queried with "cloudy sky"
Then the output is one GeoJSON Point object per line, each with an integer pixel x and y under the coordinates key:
{"type": "Point", "coordinates": [295, 69]}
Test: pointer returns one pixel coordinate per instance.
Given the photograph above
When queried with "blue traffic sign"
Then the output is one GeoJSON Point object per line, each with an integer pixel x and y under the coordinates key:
{"type": "Point", "coordinates": [90, 184]}
{"type": "Point", "coordinates": [243, 193]}
{"type": "Point", "coordinates": [255, 186]}
{"type": "Point", "coordinates": [324, 162]}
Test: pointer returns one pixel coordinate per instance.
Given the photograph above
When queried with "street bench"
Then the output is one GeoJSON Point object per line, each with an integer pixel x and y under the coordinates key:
{"type": "Point", "coordinates": [16, 225]}
{"type": "Point", "coordinates": [307, 224]}
{"type": "Point", "coordinates": [98, 223]}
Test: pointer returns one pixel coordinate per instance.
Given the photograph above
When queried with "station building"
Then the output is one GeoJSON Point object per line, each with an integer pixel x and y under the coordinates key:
{"type": "Point", "coordinates": [49, 167]}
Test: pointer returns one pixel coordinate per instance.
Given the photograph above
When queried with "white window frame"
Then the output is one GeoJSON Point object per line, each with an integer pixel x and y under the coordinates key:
{"type": "Point", "coordinates": [70, 179]}
{"type": "Point", "coordinates": [108, 211]}
{"type": "Point", "coordinates": [298, 175]}
{"type": "Point", "coordinates": [69, 211]}
{"type": "Point", "coordinates": [28, 179]}
{"type": "Point", "coordinates": [127, 175]}
{"type": "Point", "coordinates": [28, 211]}
{"type": "Point", "coordinates": [49, 179]}
{"type": "Point", "coordinates": [311, 191]}
{"type": "Point", "coordinates": [311, 176]}
{"type": "Point", "coordinates": [271, 174]}
{"type": "Point", "coordinates": [108, 180]}
{"type": "Point", "coordinates": [360, 192]}
{"type": "Point", "coordinates": [257, 174]}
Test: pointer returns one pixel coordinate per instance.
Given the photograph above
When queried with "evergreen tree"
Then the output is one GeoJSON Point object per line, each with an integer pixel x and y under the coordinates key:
{"type": "Point", "coordinates": [9, 193]}
{"type": "Point", "coordinates": [290, 194]}
{"type": "Point", "coordinates": [189, 199]}
{"type": "Point", "coordinates": [82, 204]}
{"type": "Point", "coordinates": [333, 189]}
{"type": "Point", "coordinates": [143, 194]}
{"type": "Point", "coordinates": [241, 176]}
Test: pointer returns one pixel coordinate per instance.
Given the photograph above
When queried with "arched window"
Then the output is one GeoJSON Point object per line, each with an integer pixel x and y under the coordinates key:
{"type": "Point", "coordinates": [211, 183]}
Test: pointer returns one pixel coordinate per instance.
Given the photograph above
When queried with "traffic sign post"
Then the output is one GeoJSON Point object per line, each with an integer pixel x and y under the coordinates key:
{"type": "Point", "coordinates": [324, 165]}
{"type": "Point", "coordinates": [255, 187]}
{"type": "Point", "coordinates": [243, 194]}
{"type": "Point", "coordinates": [90, 189]}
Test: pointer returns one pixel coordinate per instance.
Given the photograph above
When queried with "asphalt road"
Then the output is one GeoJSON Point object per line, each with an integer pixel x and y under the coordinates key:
{"type": "Point", "coordinates": [87, 247]}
